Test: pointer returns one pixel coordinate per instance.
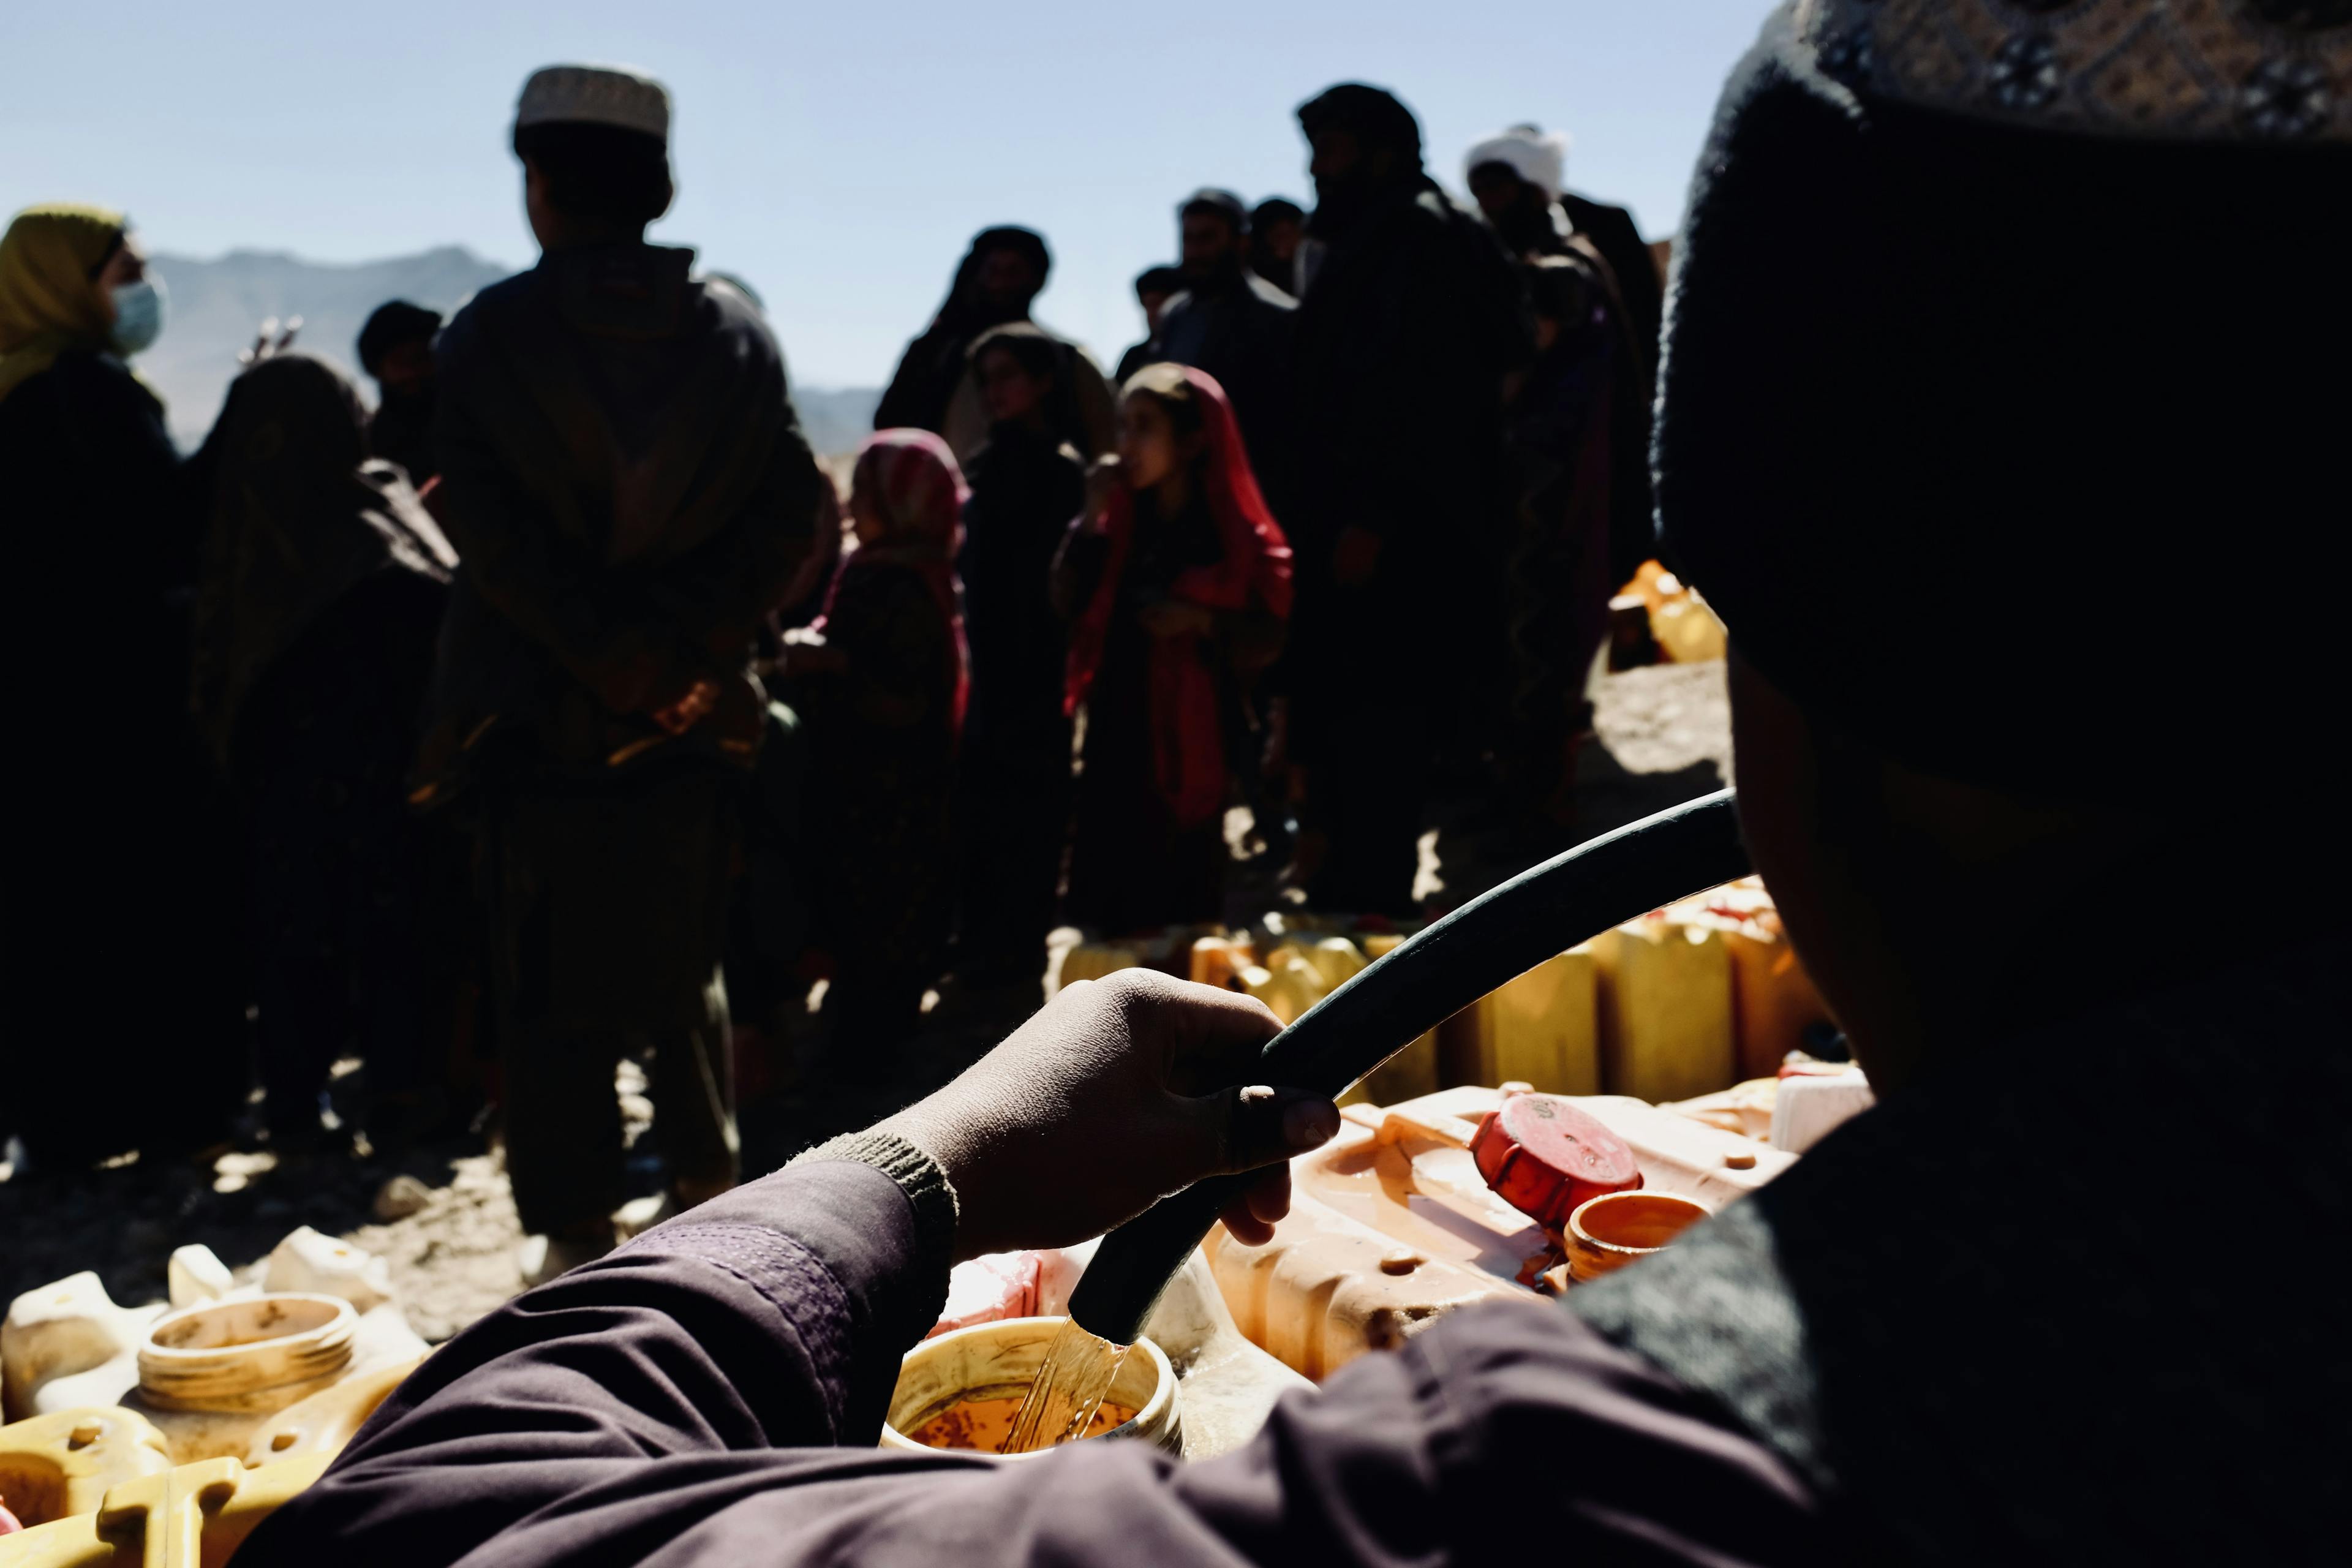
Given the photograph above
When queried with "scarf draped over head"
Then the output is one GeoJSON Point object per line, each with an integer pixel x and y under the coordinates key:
{"type": "Point", "coordinates": [296, 522]}
{"type": "Point", "coordinates": [1253, 565]}
{"type": "Point", "coordinates": [48, 303]}
{"type": "Point", "coordinates": [913, 482]}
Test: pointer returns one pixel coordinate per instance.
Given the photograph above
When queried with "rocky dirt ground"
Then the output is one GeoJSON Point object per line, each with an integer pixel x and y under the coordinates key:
{"type": "Point", "coordinates": [443, 1216]}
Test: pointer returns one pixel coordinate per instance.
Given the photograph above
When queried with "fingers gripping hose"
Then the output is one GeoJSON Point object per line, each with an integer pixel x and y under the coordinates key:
{"type": "Point", "coordinates": [1486, 943]}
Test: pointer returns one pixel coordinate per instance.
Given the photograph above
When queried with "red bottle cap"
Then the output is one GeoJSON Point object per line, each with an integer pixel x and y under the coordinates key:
{"type": "Point", "coordinates": [1543, 1157]}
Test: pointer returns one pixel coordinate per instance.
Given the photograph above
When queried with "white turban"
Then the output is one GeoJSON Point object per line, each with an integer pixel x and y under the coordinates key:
{"type": "Point", "coordinates": [1539, 160]}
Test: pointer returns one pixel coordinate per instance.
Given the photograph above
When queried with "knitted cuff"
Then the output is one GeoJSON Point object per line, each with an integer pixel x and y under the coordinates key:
{"type": "Point", "coordinates": [927, 1189]}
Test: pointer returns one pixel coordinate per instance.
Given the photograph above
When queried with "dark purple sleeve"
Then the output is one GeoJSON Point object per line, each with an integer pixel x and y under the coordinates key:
{"type": "Point", "coordinates": [672, 1405]}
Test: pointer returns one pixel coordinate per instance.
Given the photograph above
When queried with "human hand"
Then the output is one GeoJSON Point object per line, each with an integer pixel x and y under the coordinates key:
{"type": "Point", "coordinates": [1355, 557]}
{"type": "Point", "coordinates": [678, 717]}
{"type": "Point", "coordinates": [1101, 479]}
{"type": "Point", "coordinates": [269, 342]}
{"type": "Point", "coordinates": [1119, 1092]}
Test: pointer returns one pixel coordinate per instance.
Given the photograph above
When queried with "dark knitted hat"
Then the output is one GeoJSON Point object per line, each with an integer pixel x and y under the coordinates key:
{"type": "Point", "coordinates": [2004, 412]}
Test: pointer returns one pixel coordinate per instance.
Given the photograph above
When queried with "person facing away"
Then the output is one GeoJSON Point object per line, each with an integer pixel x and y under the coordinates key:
{"type": "Point", "coordinates": [1277, 224]}
{"type": "Point", "coordinates": [881, 681]}
{"type": "Point", "coordinates": [396, 347]}
{"type": "Point", "coordinates": [1233, 325]}
{"type": "Point", "coordinates": [1960, 1330]}
{"type": "Point", "coordinates": [1014, 768]}
{"type": "Point", "coordinates": [1411, 322]}
{"type": "Point", "coordinates": [1516, 178]}
{"type": "Point", "coordinates": [1154, 287]}
{"type": "Point", "coordinates": [1179, 579]}
{"type": "Point", "coordinates": [321, 595]}
{"type": "Point", "coordinates": [134, 869]}
{"type": "Point", "coordinates": [628, 489]}
{"type": "Point", "coordinates": [932, 389]}
{"type": "Point", "coordinates": [1559, 431]}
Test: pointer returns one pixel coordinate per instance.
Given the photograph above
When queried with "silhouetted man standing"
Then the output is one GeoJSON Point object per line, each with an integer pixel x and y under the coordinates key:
{"type": "Point", "coordinates": [629, 492]}
{"type": "Point", "coordinates": [1411, 320]}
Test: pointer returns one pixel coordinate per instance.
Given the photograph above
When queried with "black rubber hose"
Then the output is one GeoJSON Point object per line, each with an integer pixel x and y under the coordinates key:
{"type": "Point", "coordinates": [1419, 985]}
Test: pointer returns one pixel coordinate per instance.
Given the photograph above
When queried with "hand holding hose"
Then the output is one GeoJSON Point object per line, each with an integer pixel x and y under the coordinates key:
{"type": "Point", "coordinates": [1120, 1091]}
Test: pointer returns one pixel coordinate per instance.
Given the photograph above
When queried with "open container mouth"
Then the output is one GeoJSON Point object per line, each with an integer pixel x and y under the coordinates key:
{"type": "Point", "coordinates": [986, 1370]}
{"type": "Point", "coordinates": [1615, 1228]}
{"type": "Point", "coordinates": [258, 1354]}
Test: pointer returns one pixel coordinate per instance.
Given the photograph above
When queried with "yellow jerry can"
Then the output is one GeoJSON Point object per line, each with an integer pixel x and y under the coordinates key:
{"type": "Point", "coordinates": [1093, 960]}
{"type": "Point", "coordinates": [1773, 999]}
{"type": "Point", "coordinates": [1286, 984]}
{"type": "Point", "coordinates": [1665, 1010]}
{"type": "Point", "coordinates": [1411, 1072]}
{"type": "Point", "coordinates": [1218, 961]}
{"type": "Point", "coordinates": [1542, 1028]}
{"type": "Point", "coordinates": [192, 1517]}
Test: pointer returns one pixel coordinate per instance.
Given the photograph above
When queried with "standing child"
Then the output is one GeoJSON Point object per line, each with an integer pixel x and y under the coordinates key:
{"type": "Point", "coordinates": [879, 680]}
{"type": "Point", "coordinates": [1184, 577]}
{"type": "Point", "coordinates": [1013, 795]}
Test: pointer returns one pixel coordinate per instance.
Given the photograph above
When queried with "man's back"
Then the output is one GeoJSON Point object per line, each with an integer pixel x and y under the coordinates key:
{"type": "Point", "coordinates": [625, 481]}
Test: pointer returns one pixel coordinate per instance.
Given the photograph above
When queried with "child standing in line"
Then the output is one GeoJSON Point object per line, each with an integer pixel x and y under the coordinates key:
{"type": "Point", "coordinates": [1180, 577]}
{"type": "Point", "coordinates": [879, 680]}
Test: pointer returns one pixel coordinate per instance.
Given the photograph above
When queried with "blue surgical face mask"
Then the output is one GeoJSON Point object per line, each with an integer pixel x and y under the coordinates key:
{"type": "Point", "coordinates": [138, 315]}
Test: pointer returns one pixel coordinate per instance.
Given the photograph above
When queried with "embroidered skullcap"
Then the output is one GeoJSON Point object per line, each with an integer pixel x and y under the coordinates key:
{"type": "Point", "coordinates": [2001, 415]}
{"type": "Point", "coordinates": [595, 95]}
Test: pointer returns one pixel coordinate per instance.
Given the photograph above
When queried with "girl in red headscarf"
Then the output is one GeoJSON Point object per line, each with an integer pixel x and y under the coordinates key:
{"type": "Point", "coordinates": [880, 680]}
{"type": "Point", "coordinates": [1184, 580]}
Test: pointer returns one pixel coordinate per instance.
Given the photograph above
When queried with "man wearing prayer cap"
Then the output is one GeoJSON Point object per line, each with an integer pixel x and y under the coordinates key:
{"type": "Point", "coordinates": [2069, 1293]}
{"type": "Point", "coordinates": [1411, 320]}
{"type": "Point", "coordinates": [1520, 179]}
{"type": "Point", "coordinates": [627, 484]}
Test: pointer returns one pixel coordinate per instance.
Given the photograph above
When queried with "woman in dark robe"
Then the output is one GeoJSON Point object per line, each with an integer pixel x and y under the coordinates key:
{"type": "Point", "coordinates": [880, 680]}
{"type": "Point", "coordinates": [1013, 774]}
{"type": "Point", "coordinates": [1184, 577]}
{"type": "Point", "coordinates": [316, 616]}
{"type": "Point", "coordinates": [1004, 270]}
{"type": "Point", "coordinates": [122, 938]}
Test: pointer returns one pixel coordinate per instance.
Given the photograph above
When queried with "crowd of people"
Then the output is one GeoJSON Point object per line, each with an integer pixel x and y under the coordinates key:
{"type": "Point", "coordinates": [1983, 340]}
{"type": "Point", "coordinates": [561, 707]}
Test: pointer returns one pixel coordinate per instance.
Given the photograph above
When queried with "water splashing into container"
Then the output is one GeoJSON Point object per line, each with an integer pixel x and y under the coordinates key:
{"type": "Point", "coordinates": [1070, 1386]}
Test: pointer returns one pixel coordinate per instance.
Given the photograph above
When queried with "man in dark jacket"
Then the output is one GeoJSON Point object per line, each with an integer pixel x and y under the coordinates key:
{"type": "Point", "coordinates": [629, 492]}
{"type": "Point", "coordinates": [1963, 1328]}
{"type": "Point", "coordinates": [1410, 321]}
{"type": "Point", "coordinates": [1236, 326]}
{"type": "Point", "coordinates": [396, 348]}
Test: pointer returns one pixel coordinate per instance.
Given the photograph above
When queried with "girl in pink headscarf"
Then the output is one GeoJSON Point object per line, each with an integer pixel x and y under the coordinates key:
{"type": "Point", "coordinates": [880, 680]}
{"type": "Point", "coordinates": [1180, 577]}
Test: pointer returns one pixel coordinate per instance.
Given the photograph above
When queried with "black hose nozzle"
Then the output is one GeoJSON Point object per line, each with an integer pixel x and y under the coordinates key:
{"type": "Point", "coordinates": [1384, 1007]}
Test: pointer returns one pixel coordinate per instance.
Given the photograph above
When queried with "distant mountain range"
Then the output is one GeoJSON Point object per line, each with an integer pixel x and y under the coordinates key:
{"type": "Point", "coordinates": [217, 305]}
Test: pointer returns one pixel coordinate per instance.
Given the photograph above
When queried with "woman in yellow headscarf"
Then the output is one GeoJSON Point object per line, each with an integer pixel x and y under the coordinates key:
{"type": "Point", "coordinates": [122, 908]}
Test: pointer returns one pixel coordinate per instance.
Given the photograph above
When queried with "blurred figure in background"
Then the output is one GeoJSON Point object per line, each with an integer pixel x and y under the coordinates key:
{"type": "Point", "coordinates": [1027, 485]}
{"type": "Point", "coordinates": [396, 349]}
{"type": "Point", "coordinates": [1517, 177]}
{"type": "Point", "coordinates": [933, 388]}
{"type": "Point", "coordinates": [627, 484]}
{"type": "Point", "coordinates": [1236, 326]}
{"type": "Point", "coordinates": [1277, 224]}
{"type": "Point", "coordinates": [1180, 578]}
{"type": "Point", "coordinates": [122, 913]}
{"type": "Point", "coordinates": [1154, 287]}
{"type": "Point", "coordinates": [879, 679]}
{"type": "Point", "coordinates": [1559, 426]}
{"type": "Point", "coordinates": [322, 590]}
{"type": "Point", "coordinates": [1410, 322]}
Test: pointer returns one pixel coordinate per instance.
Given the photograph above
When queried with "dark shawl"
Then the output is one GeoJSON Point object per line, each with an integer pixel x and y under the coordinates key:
{"type": "Point", "coordinates": [297, 519]}
{"type": "Point", "coordinates": [933, 365]}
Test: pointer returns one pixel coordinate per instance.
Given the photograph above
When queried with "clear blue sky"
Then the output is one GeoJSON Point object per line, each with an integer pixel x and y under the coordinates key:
{"type": "Point", "coordinates": [837, 156]}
